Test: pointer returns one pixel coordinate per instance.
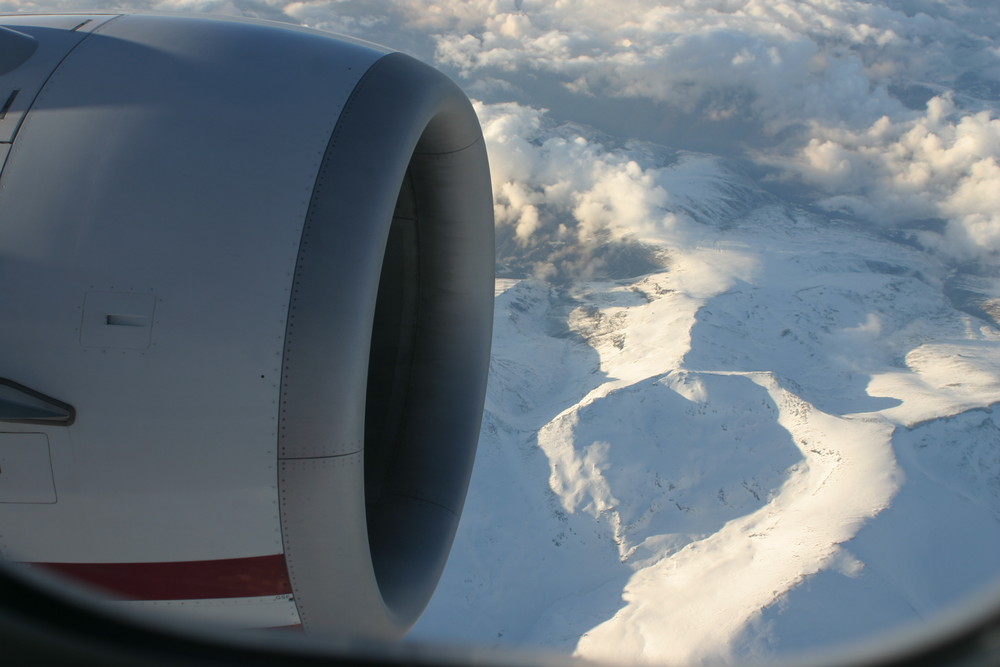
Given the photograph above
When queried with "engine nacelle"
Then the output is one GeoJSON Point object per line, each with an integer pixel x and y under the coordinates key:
{"type": "Point", "coordinates": [246, 313]}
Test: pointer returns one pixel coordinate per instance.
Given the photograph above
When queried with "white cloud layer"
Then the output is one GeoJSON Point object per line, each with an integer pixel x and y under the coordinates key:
{"type": "Point", "coordinates": [885, 110]}
{"type": "Point", "coordinates": [560, 196]}
{"type": "Point", "coordinates": [571, 203]}
{"type": "Point", "coordinates": [940, 164]}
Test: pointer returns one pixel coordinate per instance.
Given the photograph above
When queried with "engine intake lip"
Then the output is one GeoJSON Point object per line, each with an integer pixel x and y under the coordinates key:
{"type": "Point", "coordinates": [389, 324]}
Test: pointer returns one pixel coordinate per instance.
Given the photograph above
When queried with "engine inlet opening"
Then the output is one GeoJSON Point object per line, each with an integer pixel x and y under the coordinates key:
{"type": "Point", "coordinates": [428, 360]}
{"type": "Point", "coordinates": [391, 353]}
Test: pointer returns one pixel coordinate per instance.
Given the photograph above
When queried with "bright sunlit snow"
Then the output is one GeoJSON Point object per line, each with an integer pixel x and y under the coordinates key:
{"type": "Point", "coordinates": [747, 340]}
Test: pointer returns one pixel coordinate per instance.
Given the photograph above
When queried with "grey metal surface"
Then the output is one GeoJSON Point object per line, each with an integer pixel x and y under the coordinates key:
{"type": "Point", "coordinates": [139, 177]}
{"type": "Point", "coordinates": [25, 73]}
{"type": "Point", "coordinates": [196, 215]}
{"type": "Point", "coordinates": [22, 404]}
{"type": "Point", "coordinates": [15, 48]}
{"type": "Point", "coordinates": [25, 469]}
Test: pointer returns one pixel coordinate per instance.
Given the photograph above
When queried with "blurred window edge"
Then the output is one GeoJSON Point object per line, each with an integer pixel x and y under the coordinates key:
{"type": "Point", "coordinates": [44, 620]}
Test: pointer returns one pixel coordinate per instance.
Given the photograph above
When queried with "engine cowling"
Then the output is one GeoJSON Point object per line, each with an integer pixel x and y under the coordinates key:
{"type": "Point", "coordinates": [246, 317]}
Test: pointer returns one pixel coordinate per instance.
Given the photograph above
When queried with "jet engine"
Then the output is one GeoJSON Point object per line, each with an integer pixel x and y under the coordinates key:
{"type": "Point", "coordinates": [246, 317]}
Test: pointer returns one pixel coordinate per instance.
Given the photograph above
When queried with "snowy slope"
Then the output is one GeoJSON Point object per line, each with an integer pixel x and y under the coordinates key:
{"type": "Point", "coordinates": [782, 440]}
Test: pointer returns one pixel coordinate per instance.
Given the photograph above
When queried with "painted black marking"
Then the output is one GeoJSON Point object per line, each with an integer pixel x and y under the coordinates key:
{"type": "Point", "coordinates": [127, 321]}
{"type": "Point", "coordinates": [81, 25]}
{"type": "Point", "coordinates": [8, 104]}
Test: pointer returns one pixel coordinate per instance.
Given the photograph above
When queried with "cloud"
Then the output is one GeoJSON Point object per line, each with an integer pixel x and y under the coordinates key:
{"type": "Point", "coordinates": [572, 203]}
{"type": "Point", "coordinates": [564, 201]}
{"type": "Point", "coordinates": [780, 61]}
{"type": "Point", "coordinates": [940, 164]}
{"type": "Point", "coordinates": [265, 9]}
{"type": "Point", "coordinates": [882, 110]}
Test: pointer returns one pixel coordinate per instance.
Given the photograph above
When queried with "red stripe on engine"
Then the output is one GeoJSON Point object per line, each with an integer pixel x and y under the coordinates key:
{"type": "Point", "coordinates": [258, 576]}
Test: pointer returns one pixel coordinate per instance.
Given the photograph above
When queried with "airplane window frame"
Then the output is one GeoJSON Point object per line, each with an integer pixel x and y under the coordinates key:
{"type": "Point", "coordinates": [44, 621]}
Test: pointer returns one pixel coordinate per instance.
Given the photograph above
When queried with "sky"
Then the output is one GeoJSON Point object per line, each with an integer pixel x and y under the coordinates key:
{"type": "Point", "coordinates": [617, 132]}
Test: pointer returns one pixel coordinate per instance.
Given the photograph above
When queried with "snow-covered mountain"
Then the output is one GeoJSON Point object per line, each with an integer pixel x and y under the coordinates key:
{"type": "Point", "coordinates": [781, 439]}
